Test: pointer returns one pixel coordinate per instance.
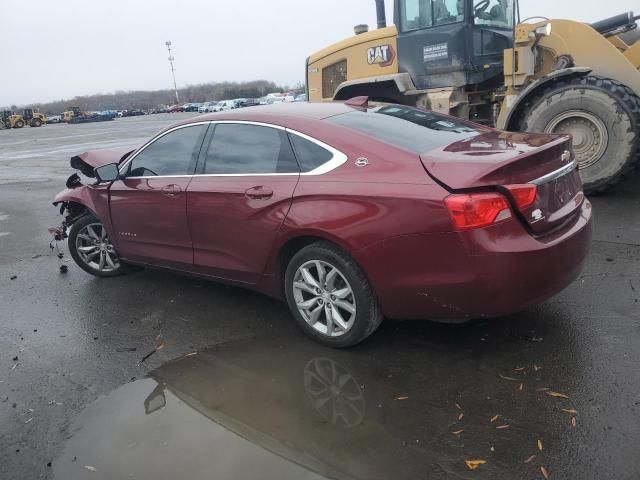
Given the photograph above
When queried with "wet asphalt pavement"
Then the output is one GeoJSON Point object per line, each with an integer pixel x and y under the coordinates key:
{"type": "Point", "coordinates": [237, 392]}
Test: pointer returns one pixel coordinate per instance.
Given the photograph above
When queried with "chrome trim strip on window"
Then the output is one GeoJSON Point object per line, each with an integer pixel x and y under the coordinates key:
{"type": "Point", "coordinates": [549, 177]}
{"type": "Point", "coordinates": [336, 160]}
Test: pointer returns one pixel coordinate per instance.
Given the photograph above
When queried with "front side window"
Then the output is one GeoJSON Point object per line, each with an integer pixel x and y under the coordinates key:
{"type": "Point", "coordinates": [249, 149]}
{"type": "Point", "coordinates": [494, 13]}
{"type": "Point", "coordinates": [175, 153]}
{"type": "Point", "coordinates": [417, 14]}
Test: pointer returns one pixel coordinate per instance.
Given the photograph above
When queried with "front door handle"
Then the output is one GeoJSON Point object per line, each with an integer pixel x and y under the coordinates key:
{"type": "Point", "coordinates": [171, 191]}
{"type": "Point", "coordinates": [259, 193]}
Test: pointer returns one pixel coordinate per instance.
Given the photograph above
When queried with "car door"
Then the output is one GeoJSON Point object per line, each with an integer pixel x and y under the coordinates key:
{"type": "Point", "coordinates": [239, 199]}
{"type": "Point", "coordinates": [149, 206]}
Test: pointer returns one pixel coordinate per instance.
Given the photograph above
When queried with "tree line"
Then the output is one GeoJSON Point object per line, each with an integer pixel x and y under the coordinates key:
{"type": "Point", "coordinates": [145, 100]}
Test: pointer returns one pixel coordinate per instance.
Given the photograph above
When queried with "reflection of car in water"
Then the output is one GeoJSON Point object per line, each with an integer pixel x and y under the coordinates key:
{"type": "Point", "coordinates": [290, 407]}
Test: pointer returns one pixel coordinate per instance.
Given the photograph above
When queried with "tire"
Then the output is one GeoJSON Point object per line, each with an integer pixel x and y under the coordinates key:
{"type": "Point", "coordinates": [19, 124]}
{"type": "Point", "coordinates": [355, 305]}
{"type": "Point", "coordinates": [81, 237]}
{"type": "Point", "coordinates": [602, 115]}
{"type": "Point", "coordinates": [37, 122]}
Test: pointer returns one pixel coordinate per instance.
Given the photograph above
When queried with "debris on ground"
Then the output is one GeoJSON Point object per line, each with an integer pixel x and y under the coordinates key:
{"type": "Point", "coordinates": [473, 464]}
{"type": "Point", "coordinates": [501, 427]}
{"type": "Point", "coordinates": [402, 398]}
{"type": "Point", "coordinates": [159, 346]}
{"type": "Point", "coordinates": [126, 349]}
{"type": "Point", "coordinates": [569, 410]}
{"type": "Point", "coordinates": [494, 418]}
{"type": "Point", "coordinates": [556, 394]}
{"type": "Point", "coordinates": [457, 432]}
{"type": "Point", "coordinates": [510, 379]}
{"type": "Point", "coordinates": [539, 444]}
{"type": "Point", "coordinates": [460, 416]}
{"type": "Point", "coordinates": [15, 359]}
{"type": "Point", "coordinates": [545, 474]}
{"type": "Point", "coordinates": [573, 422]}
{"type": "Point", "coordinates": [13, 277]}
{"type": "Point", "coordinates": [529, 459]}
{"type": "Point", "coordinates": [90, 468]}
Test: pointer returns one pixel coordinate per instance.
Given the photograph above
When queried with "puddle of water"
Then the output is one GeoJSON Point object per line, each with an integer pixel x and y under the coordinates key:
{"type": "Point", "coordinates": [289, 408]}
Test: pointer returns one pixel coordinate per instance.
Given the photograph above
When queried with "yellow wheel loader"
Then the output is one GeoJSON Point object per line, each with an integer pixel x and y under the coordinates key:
{"type": "Point", "coordinates": [12, 120]}
{"type": "Point", "coordinates": [33, 118]}
{"type": "Point", "coordinates": [477, 60]}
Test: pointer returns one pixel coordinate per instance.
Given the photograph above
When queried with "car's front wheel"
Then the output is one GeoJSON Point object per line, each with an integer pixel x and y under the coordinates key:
{"type": "Point", "coordinates": [330, 296]}
{"type": "Point", "coordinates": [92, 250]}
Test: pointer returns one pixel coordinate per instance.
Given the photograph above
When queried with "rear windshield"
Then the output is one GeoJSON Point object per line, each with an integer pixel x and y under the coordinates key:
{"type": "Point", "coordinates": [408, 128]}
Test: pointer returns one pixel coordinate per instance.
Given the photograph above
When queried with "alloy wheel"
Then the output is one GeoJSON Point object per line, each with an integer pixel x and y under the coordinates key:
{"type": "Point", "coordinates": [95, 249]}
{"type": "Point", "coordinates": [324, 298]}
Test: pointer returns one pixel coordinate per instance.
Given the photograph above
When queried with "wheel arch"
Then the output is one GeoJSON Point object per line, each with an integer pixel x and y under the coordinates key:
{"type": "Point", "coordinates": [510, 119]}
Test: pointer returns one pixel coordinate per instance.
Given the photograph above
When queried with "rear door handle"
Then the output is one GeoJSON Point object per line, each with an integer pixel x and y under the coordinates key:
{"type": "Point", "coordinates": [172, 190]}
{"type": "Point", "coordinates": [259, 193]}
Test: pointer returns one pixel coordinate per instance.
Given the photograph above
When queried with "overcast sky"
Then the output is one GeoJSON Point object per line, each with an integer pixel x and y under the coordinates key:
{"type": "Point", "coordinates": [58, 49]}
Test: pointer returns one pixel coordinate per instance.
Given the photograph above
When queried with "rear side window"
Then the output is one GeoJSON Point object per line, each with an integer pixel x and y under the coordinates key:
{"type": "Point", "coordinates": [249, 149]}
{"type": "Point", "coordinates": [408, 128]}
{"type": "Point", "coordinates": [175, 153]}
{"type": "Point", "coordinates": [309, 154]}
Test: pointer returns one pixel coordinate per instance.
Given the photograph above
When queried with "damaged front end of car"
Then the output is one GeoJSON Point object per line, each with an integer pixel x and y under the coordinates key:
{"type": "Point", "coordinates": [80, 198]}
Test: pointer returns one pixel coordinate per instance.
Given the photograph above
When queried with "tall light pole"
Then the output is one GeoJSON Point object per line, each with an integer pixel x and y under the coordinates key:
{"type": "Point", "coordinates": [173, 70]}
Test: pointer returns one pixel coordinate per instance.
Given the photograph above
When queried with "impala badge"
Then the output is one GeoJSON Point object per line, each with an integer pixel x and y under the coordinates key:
{"type": "Point", "coordinates": [536, 215]}
{"type": "Point", "coordinates": [362, 162]}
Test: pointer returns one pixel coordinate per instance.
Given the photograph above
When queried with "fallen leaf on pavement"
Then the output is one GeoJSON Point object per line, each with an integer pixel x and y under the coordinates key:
{"type": "Point", "coordinates": [460, 416]}
{"type": "Point", "coordinates": [402, 398]}
{"type": "Point", "coordinates": [494, 418]}
{"type": "Point", "coordinates": [458, 406]}
{"type": "Point", "coordinates": [529, 459]}
{"type": "Point", "coordinates": [457, 432]}
{"type": "Point", "coordinates": [473, 464]}
{"type": "Point", "coordinates": [520, 387]}
{"type": "Point", "coordinates": [557, 395]}
{"type": "Point", "coordinates": [511, 379]}
{"type": "Point", "coordinates": [573, 422]}
{"type": "Point", "coordinates": [569, 410]}
{"type": "Point", "coordinates": [545, 474]}
{"type": "Point", "coordinates": [90, 468]}
{"type": "Point", "coordinates": [539, 444]}
{"type": "Point", "coordinates": [519, 369]}
{"type": "Point", "coordinates": [500, 427]}
{"type": "Point", "coordinates": [536, 367]}
{"type": "Point", "coordinates": [542, 389]}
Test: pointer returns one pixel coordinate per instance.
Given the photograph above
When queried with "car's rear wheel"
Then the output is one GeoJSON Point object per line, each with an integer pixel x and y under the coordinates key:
{"type": "Point", "coordinates": [330, 296]}
{"type": "Point", "coordinates": [92, 250]}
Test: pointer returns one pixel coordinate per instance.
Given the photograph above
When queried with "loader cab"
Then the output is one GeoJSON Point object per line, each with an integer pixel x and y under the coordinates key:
{"type": "Point", "coordinates": [27, 113]}
{"type": "Point", "coordinates": [454, 43]}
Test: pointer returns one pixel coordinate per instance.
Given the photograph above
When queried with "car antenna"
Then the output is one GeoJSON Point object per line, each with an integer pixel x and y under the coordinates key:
{"type": "Point", "coordinates": [358, 102]}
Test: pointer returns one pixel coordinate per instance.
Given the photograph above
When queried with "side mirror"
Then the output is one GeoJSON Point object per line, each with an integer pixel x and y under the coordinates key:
{"type": "Point", "coordinates": [107, 173]}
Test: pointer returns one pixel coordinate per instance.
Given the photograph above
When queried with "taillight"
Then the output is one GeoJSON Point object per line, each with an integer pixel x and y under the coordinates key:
{"type": "Point", "coordinates": [523, 195]}
{"type": "Point", "coordinates": [476, 210]}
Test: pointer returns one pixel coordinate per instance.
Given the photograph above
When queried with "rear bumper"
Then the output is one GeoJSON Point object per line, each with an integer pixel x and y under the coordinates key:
{"type": "Point", "coordinates": [488, 272]}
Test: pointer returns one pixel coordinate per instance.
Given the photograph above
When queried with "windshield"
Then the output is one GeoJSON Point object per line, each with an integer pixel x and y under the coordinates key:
{"type": "Point", "coordinates": [493, 13]}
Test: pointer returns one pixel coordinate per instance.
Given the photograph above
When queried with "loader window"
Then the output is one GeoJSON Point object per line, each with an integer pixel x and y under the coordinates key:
{"type": "Point", "coordinates": [494, 13]}
{"type": "Point", "coordinates": [417, 14]}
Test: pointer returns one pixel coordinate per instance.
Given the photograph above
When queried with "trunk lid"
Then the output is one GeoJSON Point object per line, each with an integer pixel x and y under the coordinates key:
{"type": "Point", "coordinates": [495, 159]}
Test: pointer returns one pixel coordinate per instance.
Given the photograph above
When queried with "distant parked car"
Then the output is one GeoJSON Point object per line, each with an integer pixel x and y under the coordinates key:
{"type": "Point", "coordinates": [208, 107]}
{"type": "Point", "coordinates": [301, 98]}
{"type": "Point", "coordinates": [249, 102]}
{"type": "Point", "coordinates": [191, 107]}
{"type": "Point", "coordinates": [225, 105]}
{"type": "Point", "coordinates": [54, 118]}
{"type": "Point", "coordinates": [175, 109]}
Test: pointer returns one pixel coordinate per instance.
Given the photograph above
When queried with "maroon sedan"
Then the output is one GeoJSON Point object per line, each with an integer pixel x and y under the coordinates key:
{"type": "Point", "coordinates": [349, 212]}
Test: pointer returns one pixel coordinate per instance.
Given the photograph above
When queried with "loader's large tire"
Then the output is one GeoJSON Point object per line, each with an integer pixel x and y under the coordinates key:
{"type": "Point", "coordinates": [19, 124]}
{"type": "Point", "coordinates": [36, 122]}
{"type": "Point", "coordinates": [602, 115]}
